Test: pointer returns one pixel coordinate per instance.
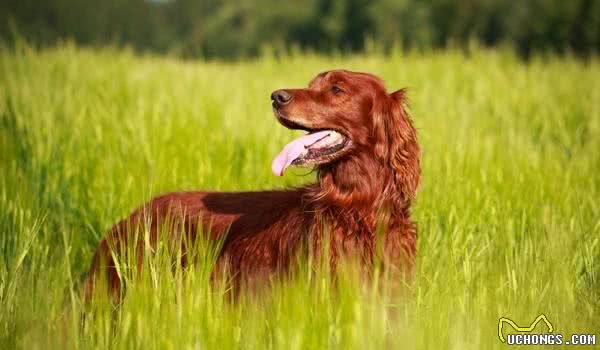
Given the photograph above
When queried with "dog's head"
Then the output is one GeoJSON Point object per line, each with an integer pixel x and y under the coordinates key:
{"type": "Point", "coordinates": [348, 114]}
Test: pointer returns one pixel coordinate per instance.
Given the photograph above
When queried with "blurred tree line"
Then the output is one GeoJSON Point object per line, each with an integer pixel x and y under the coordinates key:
{"type": "Point", "coordinates": [230, 28]}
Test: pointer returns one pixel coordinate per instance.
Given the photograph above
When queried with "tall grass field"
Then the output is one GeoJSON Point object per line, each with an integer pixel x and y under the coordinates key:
{"type": "Point", "coordinates": [508, 211]}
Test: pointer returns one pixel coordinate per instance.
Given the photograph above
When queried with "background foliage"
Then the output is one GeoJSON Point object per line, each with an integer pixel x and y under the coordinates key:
{"type": "Point", "coordinates": [232, 28]}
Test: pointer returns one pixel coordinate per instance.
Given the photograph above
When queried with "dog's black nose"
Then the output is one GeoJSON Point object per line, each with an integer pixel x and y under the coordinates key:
{"type": "Point", "coordinates": [281, 97]}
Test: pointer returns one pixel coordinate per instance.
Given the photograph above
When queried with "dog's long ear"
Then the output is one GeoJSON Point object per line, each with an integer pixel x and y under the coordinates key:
{"type": "Point", "coordinates": [396, 141]}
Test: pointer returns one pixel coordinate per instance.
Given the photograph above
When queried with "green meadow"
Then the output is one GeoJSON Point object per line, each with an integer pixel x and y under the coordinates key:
{"type": "Point", "coordinates": [508, 211]}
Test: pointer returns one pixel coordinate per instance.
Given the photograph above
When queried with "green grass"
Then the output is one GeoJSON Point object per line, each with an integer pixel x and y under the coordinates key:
{"type": "Point", "coordinates": [508, 211]}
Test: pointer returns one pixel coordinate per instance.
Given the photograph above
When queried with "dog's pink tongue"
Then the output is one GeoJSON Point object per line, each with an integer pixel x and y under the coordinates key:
{"type": "Point", "coordinates": [295, 149]}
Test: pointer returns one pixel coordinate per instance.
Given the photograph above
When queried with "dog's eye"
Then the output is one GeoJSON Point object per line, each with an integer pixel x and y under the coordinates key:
{"type": "Point", "coordinates": [336, 89]}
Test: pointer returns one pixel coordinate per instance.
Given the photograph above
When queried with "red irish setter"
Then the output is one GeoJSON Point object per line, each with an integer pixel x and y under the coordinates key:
{"type": "Point", "coordinates": [364, 148]}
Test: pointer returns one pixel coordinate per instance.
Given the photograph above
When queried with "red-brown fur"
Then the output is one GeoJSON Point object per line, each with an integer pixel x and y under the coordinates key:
{"type": "Point", "coordinates": [374, 183]}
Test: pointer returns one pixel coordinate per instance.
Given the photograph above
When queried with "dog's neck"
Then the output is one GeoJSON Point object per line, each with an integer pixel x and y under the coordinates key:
{"type": "Point", "coordinates": [359, 186]}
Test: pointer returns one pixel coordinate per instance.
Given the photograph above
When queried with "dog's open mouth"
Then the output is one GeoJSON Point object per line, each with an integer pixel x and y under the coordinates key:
{"type": "Point", "coordinates": [318, 146]}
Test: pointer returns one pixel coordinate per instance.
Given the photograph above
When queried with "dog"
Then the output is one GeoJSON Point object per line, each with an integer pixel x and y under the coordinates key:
{"type": "Point", "coordinates": [361, 142]}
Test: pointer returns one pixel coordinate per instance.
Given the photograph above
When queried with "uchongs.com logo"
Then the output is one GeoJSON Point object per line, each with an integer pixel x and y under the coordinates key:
{"type": "Point", "coordinates": [526, 336]}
